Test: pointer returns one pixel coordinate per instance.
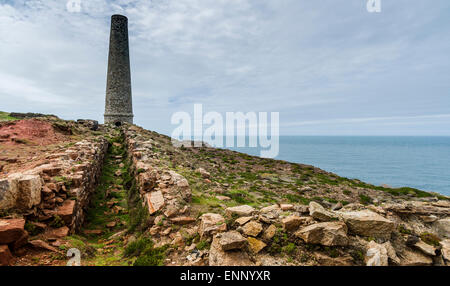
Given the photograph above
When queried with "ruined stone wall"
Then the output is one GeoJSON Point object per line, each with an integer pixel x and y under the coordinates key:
{"type": "Point", "coordinates": [61, 187]}
{"type": "Point", "coordinates": [163, 191]}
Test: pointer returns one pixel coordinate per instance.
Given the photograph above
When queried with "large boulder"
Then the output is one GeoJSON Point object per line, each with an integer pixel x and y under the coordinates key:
{"type": "Point", "coordinates": [320, 213]}
{"type": "Point", "coordinates": [220, 257]}
{"type": "Point", "coordinates": [442, 227]}
{"type": "Point", "coordinates": [445, 244]}
{"type": "Point", "coordinates": [7, 195]}
{"type": "Point", "coordinates": [376, 255]}
{"type": "Point", "coordinates": [392, 254]}
{"type": "Point", "coordinates": [325, 233]}
{"type": "Point", "coordinates": [425, 248]}
{"type": "Point", "coordinates": [415, 258]}
{"type": "Point", "coordinates": [243, 210]}
{"type": "Point", "coordinates": [20, 191]}
{"type": "Point", "coordinates": [292, 223]}
{"type": "Point", "coordinates": [368, 223]}
{"type": "Point", "coordinates": [11, 230]}
{"type": "Point", "coordinates": [212, 223]}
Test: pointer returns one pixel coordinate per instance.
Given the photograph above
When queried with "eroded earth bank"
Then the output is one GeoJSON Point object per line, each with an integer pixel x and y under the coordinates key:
{"type": "Point", "coordinates": [126, 196]}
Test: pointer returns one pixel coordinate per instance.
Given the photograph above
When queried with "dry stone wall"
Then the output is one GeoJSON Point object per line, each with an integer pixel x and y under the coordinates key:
{"type": "Point", "coordinates": [52, 197]}
{"type": "Point", "coordinates": [162, 191]}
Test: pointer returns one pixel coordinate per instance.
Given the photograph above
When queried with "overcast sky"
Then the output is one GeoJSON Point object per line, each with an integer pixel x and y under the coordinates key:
{"type": "Point", "coordinates": [328, 66]}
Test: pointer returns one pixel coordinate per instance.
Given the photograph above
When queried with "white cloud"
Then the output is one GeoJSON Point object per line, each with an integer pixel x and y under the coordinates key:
{"type": "Point", "coordinates": [310, 61]}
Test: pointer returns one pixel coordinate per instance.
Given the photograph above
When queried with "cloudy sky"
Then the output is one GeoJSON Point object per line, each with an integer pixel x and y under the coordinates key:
{"type": "Point", "coordinates": [328, 66]}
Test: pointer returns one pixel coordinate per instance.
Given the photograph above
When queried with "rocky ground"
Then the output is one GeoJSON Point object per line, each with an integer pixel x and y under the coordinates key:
{"type": "Point", "coordinates": [127, 196]}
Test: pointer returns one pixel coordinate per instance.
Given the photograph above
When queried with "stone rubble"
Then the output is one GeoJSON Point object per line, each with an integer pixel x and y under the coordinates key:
{"type": "Point", "coordinates": [320, 233]}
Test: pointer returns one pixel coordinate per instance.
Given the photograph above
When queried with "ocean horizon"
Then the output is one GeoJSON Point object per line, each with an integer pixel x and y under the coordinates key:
{"type": "Point", "coordinates": [420, 162]}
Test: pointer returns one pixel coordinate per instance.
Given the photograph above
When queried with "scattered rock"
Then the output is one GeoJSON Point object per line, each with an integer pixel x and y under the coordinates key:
{"type": "Point", "coordinates": [155, 201]}
{"type": "Point", "coordinates": [425, 248]}
{"type": "Point", "coordinates": [325, 233]}
{"type": "Point", "coordinates": [368, 223]}
{"type": "Point", "coordinates": [93, 231]}
{"type": "Point", "coordinates": [231, 240]}
{"type": "Point", "coordinates": [219, 257]}
{"type": "Point", "coordinates": [42, 245]}
{"type": "Point", "coordinates": [252, 228]}
{"type": "Point", "coordinates": [270, 232]}
{"type": "Point", "coordinates": [182, 220]}
{"type": "Point", "coordinates": [445, 244]}
{"type": "Point", "coordinates": [243, 220]}
{"type": "Point", "coordinates": [243, 210]}
{"type": "Point", "coordinates": [255, 245]}
{"type": "Point", "coordinates": [5, 255]}
{"type": "Point", "coordinates": [223, 198]}
{"type": "Point", "coordinates": [61, 232]}
{"type": "Point", "coordinates": [291, 223]}
{"type": "Point", "coordinates": [320, 213]}
{"type": "Point", "coordinates": [66, 211]}
{"type": "Point", "coordinates": [286, 207]}
{"type": "Point", "coordinates": [376, 255]}
{"type": "Point", "coordinates": [415, 258]}
{"type": "Point", "coordinates": [211, 224]}
{"type": "Point", "coordinates": [11, 230]}
{"type": "Point", "coordinates": [269, 209]}
{"type": "Point", "coordinates": [325, 260]}
{"type": "Point", "coordinates": [391, 253]}
{"type": "Point", "coordinates": [442, 227]}
{"type": "Point", "coordinates": [205, 174]}
{"type": "Point", "coordinates": [429, 218]}
{"type": "Point", "coordinates": [111, 224]}
{"type": "Point", "coordinates": [23, 240]}
{"type": "Point", "coordinates": [337, 206]}
{"type": "Point", "coordinates": [301, 209]}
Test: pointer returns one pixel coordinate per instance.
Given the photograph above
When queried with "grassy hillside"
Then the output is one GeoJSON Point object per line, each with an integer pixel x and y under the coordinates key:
{"type": "Point", "coordinates": [4, 116]}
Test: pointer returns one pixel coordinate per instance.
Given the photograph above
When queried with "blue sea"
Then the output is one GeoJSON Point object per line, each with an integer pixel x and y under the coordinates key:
{"type": "Point", "coordinates": [418, 162]}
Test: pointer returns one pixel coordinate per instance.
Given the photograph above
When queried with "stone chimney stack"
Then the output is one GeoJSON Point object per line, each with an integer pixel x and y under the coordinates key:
{"type": "Point", "coordinates": [118, 103]}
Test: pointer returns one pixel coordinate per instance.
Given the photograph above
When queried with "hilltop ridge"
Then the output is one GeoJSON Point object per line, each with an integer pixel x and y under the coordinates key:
{"type": "Point", "coordinates": [127, 196]}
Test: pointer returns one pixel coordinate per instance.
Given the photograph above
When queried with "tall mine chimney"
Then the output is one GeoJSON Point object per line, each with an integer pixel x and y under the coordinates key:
{"type": "Point", "coordinates": [118, 103]}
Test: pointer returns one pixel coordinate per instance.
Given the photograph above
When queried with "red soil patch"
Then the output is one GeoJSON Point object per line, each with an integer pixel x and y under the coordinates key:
{"type": "Point", "coordinates": [29, 131]}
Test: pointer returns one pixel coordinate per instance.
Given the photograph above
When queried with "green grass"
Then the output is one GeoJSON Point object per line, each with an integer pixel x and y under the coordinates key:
{"type": "Point", "coordinates": [290, 248]}
{"type": "Point", "coordinates": [99, 214]}
{"type": "Point", "coordinates": [203, 244]}
{"type": "Point", "coordinates": [430, 239]}
{"type": "Point", "coordinates": [241, 196]}
{"type": "Point", "coordinates": [297, 199]}
{"type": "Point", "coordinates": [147, 255]}
{"type": "Point", "coordinates": [4, 116]}
{"type": "Point", "coordinates": [365, 200]}
{"type": "Point", "coordinates": [395, 192]}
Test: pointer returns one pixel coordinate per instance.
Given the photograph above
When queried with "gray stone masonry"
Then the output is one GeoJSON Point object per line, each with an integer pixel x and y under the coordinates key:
{"type": "Point", "coordinates": [118, 103]}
